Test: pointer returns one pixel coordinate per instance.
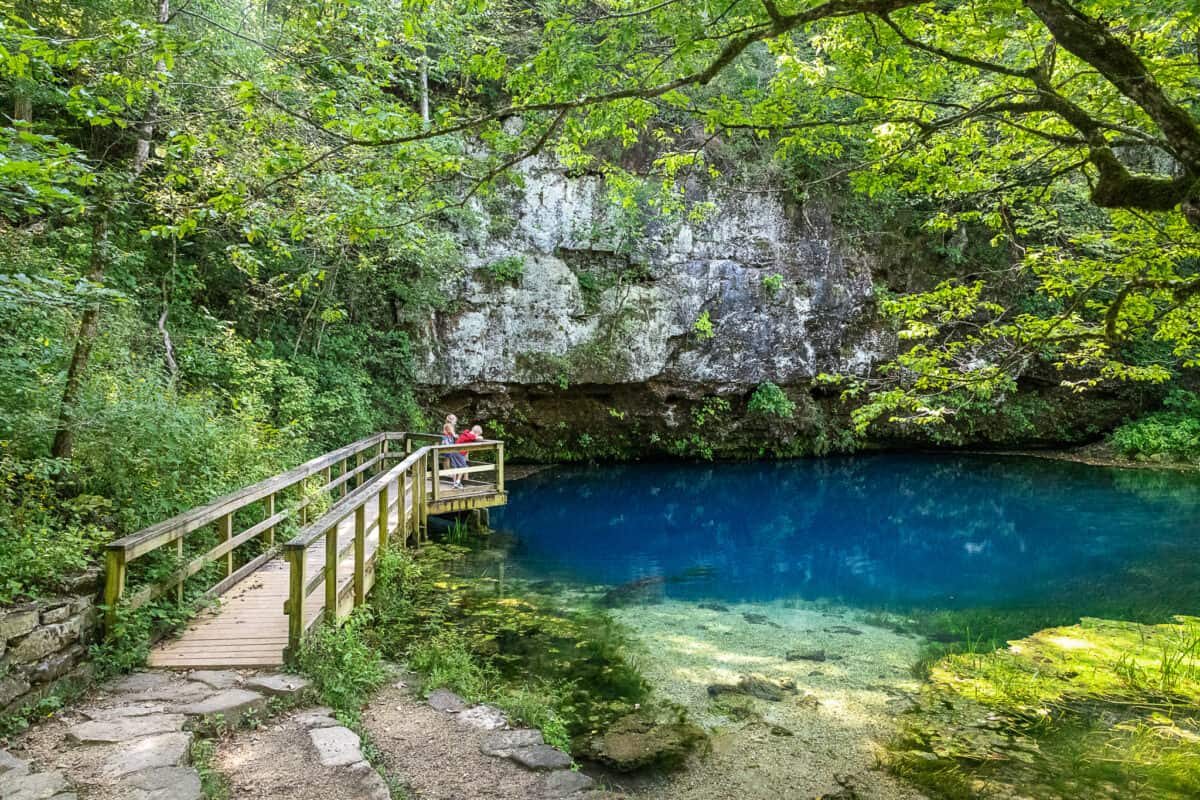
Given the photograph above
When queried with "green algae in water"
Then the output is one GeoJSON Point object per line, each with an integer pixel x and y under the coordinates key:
{"type": "Point", "coordinates": [565, 670]}
{"type": "Point", "coordinates": [1102, 709]}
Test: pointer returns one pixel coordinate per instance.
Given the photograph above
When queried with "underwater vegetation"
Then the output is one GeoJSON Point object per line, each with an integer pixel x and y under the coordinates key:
{"type": "Point", "coordinates": [564, 670]}
{"type": "Point", "coordinates": [1099, 709]}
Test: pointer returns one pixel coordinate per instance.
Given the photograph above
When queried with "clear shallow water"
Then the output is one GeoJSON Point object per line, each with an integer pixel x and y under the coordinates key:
{"type": "Point", "coordinates": [905, 531]}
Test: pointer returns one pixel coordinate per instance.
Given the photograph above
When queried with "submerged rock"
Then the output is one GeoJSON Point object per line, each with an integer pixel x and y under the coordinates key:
{"type": "Point", "coordinates": [805, 655]}
{"type": "Point", "coordinates": [844, 629]}
{"type": "Point", "coordinates": [643, 590]}
{"type": "Point", "coordinates": [719, 607]}
{"type": "Point", "coordinates": [759, 619]}
{"type": "Point", "coordinates": [643, 739]}
{"type": "Point", "coordinates": [756, 686]}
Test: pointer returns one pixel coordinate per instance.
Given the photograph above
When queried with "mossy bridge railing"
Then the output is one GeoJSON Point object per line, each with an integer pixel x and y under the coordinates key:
{"type": "Point", "coordinates": [344, 508]}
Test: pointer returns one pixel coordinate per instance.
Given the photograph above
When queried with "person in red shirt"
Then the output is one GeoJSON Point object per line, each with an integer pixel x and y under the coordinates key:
{"type": "Point", "coordinates": [473, 435]}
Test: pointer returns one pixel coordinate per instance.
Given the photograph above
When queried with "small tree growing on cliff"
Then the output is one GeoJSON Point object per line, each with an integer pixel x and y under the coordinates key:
{"type": "Point", "coordinates": [769, 400]}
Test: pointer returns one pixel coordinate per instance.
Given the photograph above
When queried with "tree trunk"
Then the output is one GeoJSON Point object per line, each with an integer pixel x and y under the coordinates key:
{"type": "Point", "coordinates": [64, 437]}
{"type": "Point", "coordinates": [425, 91]}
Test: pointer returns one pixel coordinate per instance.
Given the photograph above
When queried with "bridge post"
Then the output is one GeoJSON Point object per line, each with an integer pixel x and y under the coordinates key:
{"type": "Point", "coordinates": [499, 466]}
{"type": "Point", "coordinates": [360, 555]}
{"type": "Point", "coordinates": [270, 509]}
{"type": "Point", "coordinates": [331, 575]}
{"type": "Point", "coordinates": [225, 533]}
{"type": "Point", "coordinates": [114, 585]}
{"type": "Point", "coordinates": [384, 514]}
{"type": "Point", "coordinates": [295, 605]}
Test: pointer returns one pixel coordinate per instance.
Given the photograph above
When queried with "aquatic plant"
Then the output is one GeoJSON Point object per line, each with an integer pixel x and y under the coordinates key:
{"type": "Point", "coordinates": [1102, 708]}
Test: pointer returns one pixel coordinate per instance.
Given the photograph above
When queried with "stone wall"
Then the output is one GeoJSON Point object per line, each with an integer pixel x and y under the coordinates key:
{"type": "Point", "coordinates": [45, 642]}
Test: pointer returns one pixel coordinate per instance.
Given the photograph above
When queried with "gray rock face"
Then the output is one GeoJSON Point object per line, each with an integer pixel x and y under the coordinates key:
{"type": "Point", "coordinates": [565, 783]}
{"type": "Point", "coordinates": [231, 704]}
{"type": "Point", "coordinates": [336, 747]}
{"type": "Point", "coordinates": [541, 758]}
{"type": "Point", "coordinates": [122, 729]}
{"type": "Point", "coordinates": [163, 783]}
{"type": "Point", "coordinates": [501, 743]}
{"type": "Point", "coordinates": [36, 786]}
{"type": "Point", "coordinates": [149, 752]}
{"type": "Point", "coordinates": [44, 641]}
{"type": "Point", "coordinates": [785, 299]}
{"type": "Point", "coordinates": [12, 687]}
{"type": "Point", "coordinates": [446, 700]}
{"type": "Point", "coordinates": [278, 685]}
{"type": "Point", "coordinates": [484, 718]}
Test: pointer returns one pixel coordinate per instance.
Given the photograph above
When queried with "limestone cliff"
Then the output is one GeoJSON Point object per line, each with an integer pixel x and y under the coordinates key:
{"type": "Point", "coordinates": [582, 328]}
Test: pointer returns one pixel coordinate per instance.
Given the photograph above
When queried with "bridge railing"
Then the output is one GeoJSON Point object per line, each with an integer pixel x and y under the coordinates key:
{"type": "Point", "coordinates": [485, 459]}
{"type": "Point", "coordinates": [271, 501]}
{"type": "Point", "coordinates": [412, 489]}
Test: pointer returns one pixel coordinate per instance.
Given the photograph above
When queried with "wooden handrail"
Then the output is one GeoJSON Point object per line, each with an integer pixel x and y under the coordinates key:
{"type": "Point", "coordinates": [220, 512]}
{"type": "Point", "coordinates": [416, 483]}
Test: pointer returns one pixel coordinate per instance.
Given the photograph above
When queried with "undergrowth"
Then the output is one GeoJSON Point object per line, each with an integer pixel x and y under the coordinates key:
{"type": "Point", "coordinates": [1170, 434]}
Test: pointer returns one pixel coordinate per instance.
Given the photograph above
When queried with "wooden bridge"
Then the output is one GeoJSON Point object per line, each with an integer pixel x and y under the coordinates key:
{"type": "Point", "coordinates": [348, 505]}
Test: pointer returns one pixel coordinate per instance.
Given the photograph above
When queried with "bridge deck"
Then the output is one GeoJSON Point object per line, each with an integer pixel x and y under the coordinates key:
{"type": "Point", "coordinates": [248, 626]}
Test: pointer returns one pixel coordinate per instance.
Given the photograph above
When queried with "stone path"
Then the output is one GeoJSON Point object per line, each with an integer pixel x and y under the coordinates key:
{"type": "Point", "coordinates": [132, 738]}
{"type": "Point", "coordinates": [449, 750]}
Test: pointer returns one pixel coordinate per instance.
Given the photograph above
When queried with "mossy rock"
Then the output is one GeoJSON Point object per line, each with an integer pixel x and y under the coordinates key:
{"type": "Point", "coordinates": [644, 739]}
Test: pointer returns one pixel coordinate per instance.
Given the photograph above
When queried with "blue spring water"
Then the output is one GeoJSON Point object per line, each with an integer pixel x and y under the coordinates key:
{"type": "Point", "coordinates": [903, 531]}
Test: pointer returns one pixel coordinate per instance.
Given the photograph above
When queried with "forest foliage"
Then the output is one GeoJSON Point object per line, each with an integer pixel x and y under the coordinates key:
{"type": "Point", "coordinates": [225, 222]}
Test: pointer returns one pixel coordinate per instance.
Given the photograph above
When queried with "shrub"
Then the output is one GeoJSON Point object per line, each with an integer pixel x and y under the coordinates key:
{"type": "Point", "coordinates": [772, 284]}
{"type": "Point", "coordinates": [344, 668]}
{"type": "Point", "coordinates": [509, 269]}
{"type": "Point", "coordinates": [1172, 433]}
{"type": "Point", "coordinates": [769, 400]}
{"type": "Point", "coordinates": [44, 536]}
{"type": "Point", "coordinates": [704, 326]}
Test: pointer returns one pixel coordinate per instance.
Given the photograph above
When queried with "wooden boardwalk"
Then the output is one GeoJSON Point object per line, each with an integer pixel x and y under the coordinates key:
{"type": "Point", "coordinates": [248, 627]}
{"type": "Point", "coordinates": [272, 595]}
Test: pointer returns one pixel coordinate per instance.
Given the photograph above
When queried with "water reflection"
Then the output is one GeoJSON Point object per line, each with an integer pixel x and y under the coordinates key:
{"type": "Point", "coordinates": [894, 529]}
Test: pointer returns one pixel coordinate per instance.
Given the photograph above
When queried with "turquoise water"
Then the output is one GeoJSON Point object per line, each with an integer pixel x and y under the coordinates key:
{"type": "Point", "coordinates": [902, 531]}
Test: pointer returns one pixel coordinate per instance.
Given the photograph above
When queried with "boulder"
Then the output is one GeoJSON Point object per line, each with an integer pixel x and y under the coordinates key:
{"type": "Point", "coordinates": [755, 686]}
{"type": "Point", "coordinates": [122, 729]}
{"type": "Point", "coordinates": [446, 700]}
{"type": "Point", "coordinates": [279, 685]}
{"type": "Point", "coordinates": [163, 783]}
{"type": "Point", "coordinates": [148, 752]}
{"type": "Point", "coordinates": [501, 743]}
{"type": "Point", "coordinates": [231, 704]}
{"type": "Point", "coordinates": [643, 739]}
{"type": "Point", "coordinates": [484, 718]}
{"type": "Point", "coordinates": [540, 758]}
{"type": "Point", "coordinates": [565, 783]}
{"type": "Point", "coordinates": [336, 747]}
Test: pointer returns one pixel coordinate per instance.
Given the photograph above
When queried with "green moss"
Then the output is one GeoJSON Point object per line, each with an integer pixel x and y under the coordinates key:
{"type": "Point", "coordinates": [562, 669]}
{"type": "Point", "coordinates": [1102, 708]}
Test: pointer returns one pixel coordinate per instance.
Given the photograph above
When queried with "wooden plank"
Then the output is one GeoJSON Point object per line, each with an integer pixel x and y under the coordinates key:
{"type": "Point", "coordinates": [114, 585]}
